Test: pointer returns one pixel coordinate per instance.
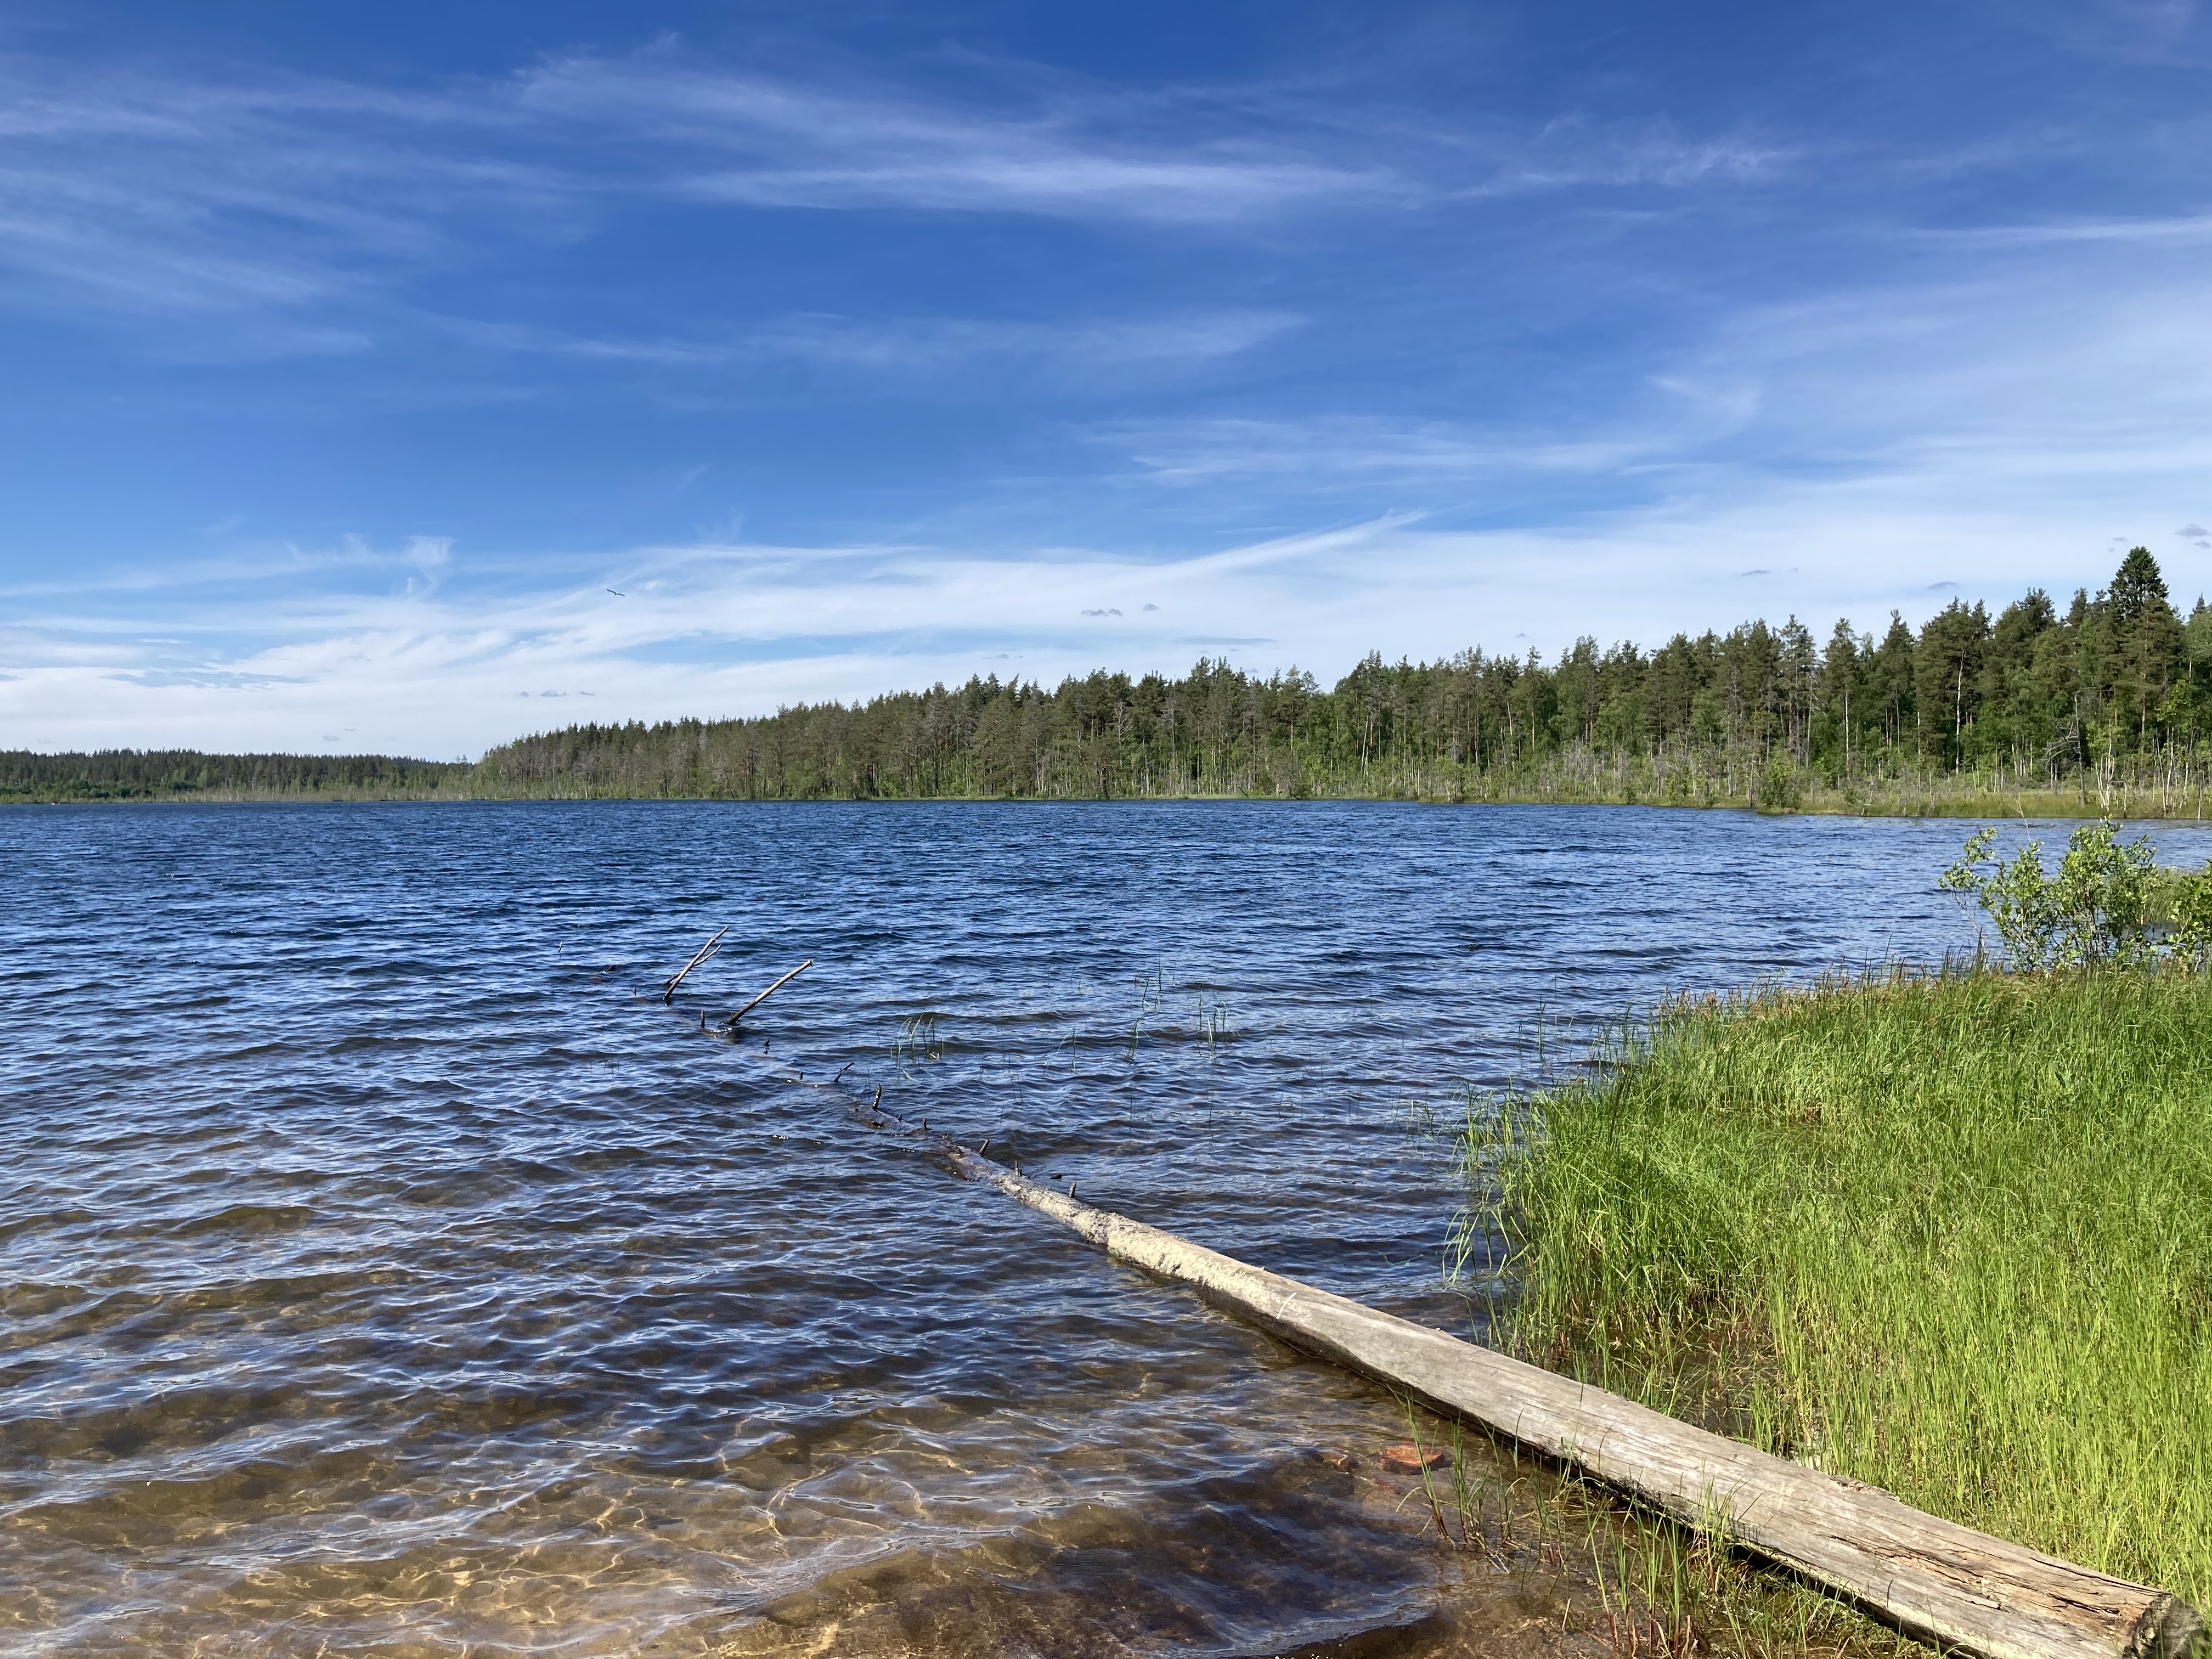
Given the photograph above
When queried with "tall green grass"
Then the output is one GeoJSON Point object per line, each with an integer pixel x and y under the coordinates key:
{"type": "Point", "coordinates": [1949, 1234]}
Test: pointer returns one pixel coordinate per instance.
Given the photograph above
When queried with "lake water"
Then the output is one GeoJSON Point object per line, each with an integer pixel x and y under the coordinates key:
{"type": "Point", "coordinates": [382, 1275]}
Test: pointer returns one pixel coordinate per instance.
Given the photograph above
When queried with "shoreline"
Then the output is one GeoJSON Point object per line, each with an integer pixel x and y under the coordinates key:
{"type": "Point", "coordinates": [2015, 806]}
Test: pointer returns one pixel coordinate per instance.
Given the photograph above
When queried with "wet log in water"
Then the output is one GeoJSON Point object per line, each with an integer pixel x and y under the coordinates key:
{"type": "Point", "coordinates": [1932, 1577]}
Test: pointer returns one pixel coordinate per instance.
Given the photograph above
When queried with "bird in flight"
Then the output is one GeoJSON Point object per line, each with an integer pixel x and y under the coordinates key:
{"type": "Point", "coordinates": [618, 592]}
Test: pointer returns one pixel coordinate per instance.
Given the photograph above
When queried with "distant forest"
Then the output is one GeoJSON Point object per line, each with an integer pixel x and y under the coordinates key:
{"type": "Point", "coordinates": [2111, 693]}
{"type": "Point", "coordinates": [2116, 688]}
{"type": "Point", "coordinates": [171, 774]}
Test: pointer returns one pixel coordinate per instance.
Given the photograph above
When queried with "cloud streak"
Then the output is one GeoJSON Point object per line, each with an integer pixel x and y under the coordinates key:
{"type": "Point", "coordinates": [893, 347]}
{"type": "Point", "coordinates": [269, 195]}
{"type": "Point", "coordinates": [148, 193]}
{"type": "Point", "coordinates": [715, 135]}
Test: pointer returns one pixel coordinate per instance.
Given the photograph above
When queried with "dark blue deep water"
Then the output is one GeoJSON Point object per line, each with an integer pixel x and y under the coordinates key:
{"type": "Point", "coordinates": [379, 1273]}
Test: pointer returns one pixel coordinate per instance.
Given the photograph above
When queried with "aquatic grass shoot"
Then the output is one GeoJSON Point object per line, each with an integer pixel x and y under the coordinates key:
{"type": "Point", "coordinates": [917, 1040]}
{"type": "Point", "coordinates": [1947, 1232]}
{"type": "Point", "coordinates": [1151, 996]}
{"type": "Point", "coordinates": [1207, 1023]}
{"type": "Point", "coordinates": [1213, 1027]}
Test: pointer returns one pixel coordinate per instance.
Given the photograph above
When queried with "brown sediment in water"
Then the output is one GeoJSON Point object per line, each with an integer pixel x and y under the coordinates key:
{"type": "Point", "coordinates": [1099, 1583]}
{"type": "Point", "coordinates": [1523, 1561]}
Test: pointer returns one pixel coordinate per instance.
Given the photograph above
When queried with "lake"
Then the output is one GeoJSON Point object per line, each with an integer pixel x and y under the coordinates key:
{"type": "Point", "coordinates": [383, 1273]}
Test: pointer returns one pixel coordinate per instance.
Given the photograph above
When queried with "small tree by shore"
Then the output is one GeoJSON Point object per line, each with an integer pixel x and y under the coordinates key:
{"type": "Point", "coordinates": [2109, 904]}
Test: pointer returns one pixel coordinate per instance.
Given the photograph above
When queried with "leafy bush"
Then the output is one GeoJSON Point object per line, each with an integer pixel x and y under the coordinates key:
{"type": "Point", "coordinates": [1781, 789]}
{"type": "Point", "coordinates": [2191, 904]}
{"type": "Point", "coordinates": [2097, 909]}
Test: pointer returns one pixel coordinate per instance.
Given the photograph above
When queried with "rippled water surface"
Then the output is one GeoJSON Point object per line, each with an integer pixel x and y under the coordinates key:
{"type": "Point", "coordinates": [382, 1275]}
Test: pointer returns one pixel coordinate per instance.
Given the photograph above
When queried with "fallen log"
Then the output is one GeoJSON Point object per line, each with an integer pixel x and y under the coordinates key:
{"type": "Point", "coordinates": [1930, 1577]}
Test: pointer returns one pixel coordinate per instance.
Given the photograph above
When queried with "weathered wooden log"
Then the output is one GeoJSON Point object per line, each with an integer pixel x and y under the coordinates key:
{"type": "Point", "coordinates": [668, 986]}
{"type": "Point", "coordinates": [731, 1023]}
{"type": "Point", "coordinates": [1931, 1577]}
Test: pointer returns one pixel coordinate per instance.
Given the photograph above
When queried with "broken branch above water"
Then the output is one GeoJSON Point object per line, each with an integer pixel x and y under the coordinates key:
{"type": "Point", "coordinates": [731, 1023]}
{"type": "Point", "coordinates": [668, 988]}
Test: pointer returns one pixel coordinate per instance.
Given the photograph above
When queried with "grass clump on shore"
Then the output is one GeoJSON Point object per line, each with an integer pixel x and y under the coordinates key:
{"type": "Point", "coordinates": [1948, 1233]}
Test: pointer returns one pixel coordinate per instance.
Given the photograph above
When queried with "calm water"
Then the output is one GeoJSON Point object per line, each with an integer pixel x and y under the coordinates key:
{"type": "Point", "coordinates": [380, 1274]}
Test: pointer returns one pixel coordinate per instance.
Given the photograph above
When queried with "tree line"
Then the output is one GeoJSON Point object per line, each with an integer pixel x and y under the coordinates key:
{"type": "Point", "coordinates": [174, 773]}
{"type": "Point", "coordinates": [2114, 687]}
{"type": "Point", "coordinates": [2114, 690]}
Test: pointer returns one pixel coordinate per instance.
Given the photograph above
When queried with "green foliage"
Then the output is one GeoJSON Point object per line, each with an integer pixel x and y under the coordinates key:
{"type": "Point", "coordinates": [1781, 789]}
{"type": "Point", "coordinates": [2096, 911]}
{"type": "Point", "coordinates": [1948, 1234]}
{"type": "Point", "coordinates": [2190, 905]}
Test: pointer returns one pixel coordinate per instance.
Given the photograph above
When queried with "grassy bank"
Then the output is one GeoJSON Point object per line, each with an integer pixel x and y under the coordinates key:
{"type": "Point", "coordinates": [1950, 1235]}
{"type": "Point", "coordinates": [1904, 795]}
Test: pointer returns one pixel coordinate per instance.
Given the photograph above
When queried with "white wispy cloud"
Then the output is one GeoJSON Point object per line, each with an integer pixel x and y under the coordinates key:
{"type": "Point", "coordinates": [879, 346]}
{"type": "Point", "coordinates": [2186, 230]}
{"type": "Point", "coordinates": [1333, 452]}
{"type": "Point", "coordinates": [281, 565]}
{"type": "Point", "coordinates": [304, 204]}
{"type": "Point", "coordinates": [251, 214]}
{"type": "Point", "coordinates": [2071, 368]}
{"type": "Point", "coordinates": [2119, 31]}
{"type": "Point", "coordinates": [1577, 151]}
{"type": "Point", "coordinates": [156, 193]}
{"type": "Point", "coordinates": [719, 134]}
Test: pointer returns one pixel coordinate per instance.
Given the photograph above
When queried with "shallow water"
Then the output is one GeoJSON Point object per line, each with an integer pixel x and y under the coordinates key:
{"type": "Point", "coordinates": [381, 1274]}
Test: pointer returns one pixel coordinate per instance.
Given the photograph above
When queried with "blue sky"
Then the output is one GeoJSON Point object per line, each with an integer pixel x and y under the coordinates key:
{"type": "Point", "coordinates": [353, 353]}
